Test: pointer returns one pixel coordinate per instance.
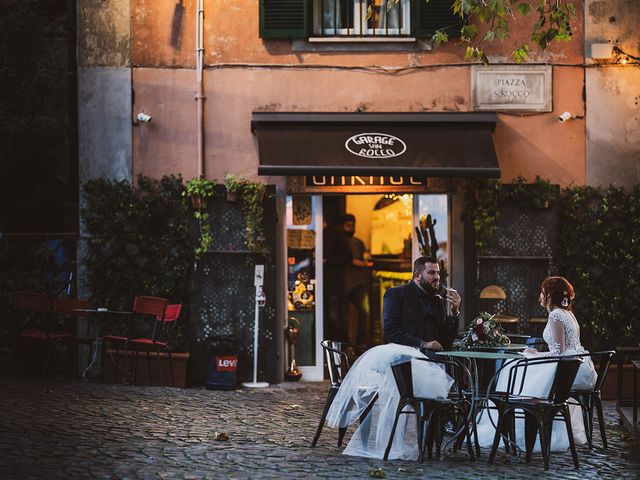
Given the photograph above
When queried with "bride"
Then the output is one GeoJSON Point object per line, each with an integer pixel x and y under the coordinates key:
{"type": "Point", "coordinates": [370, 379]}
{"type": "Point", "coordinates": [562, 335]}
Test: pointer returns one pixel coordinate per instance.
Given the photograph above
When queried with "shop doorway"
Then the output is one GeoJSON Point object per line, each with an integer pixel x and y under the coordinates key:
{"type": "Point", "coordinates": [385, 230]}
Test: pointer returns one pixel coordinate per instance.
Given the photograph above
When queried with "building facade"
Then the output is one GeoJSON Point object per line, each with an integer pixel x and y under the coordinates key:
{"type": "Point", "coordinates": [335, 74]}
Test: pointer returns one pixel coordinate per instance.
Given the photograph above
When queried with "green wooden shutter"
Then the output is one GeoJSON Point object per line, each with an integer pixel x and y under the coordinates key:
{"type": "Point", "coordinates": [284, 18]}
{"type": "Point", "coordinates": [435, 15]}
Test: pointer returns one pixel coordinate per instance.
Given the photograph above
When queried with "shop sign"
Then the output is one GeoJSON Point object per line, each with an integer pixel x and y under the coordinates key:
{"type": "Point", "coordinates": [375, 145]}
{"type": "Point", "coordinates": [520, 88]}
{"type": "Point", "coordinates": [364, 184]}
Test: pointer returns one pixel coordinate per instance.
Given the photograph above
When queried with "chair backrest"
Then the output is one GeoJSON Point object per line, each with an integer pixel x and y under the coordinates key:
{"type": "Point", "coordinates": [172, 313]}
{"type": "Point", "coordinates": [603, 366]}
{"type": "Point", "coordinates": [150, 306]}
{"type": "Point", "coordinates": [563, 381]}
{"type": "Point", "coordinates": [33, 302]}
{"type": "Point", "coordinates": [604, 360]}
{"type": "Point", "coordinates": [564, 376]}
{"type": "Point", "coordinates": [337, 361]}
{"type": "Point", "coordinates": [458, 371]}
{"type": "Point", "coordinates": [404, 379]}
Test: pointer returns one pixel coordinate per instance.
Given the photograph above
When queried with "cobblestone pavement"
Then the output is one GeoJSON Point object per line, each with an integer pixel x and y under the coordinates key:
{"type": "Point", "coordinates": [56, 429]}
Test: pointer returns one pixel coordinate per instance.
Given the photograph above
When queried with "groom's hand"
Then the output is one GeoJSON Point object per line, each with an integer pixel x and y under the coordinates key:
{"type": "Point", "coordinates": [432, 345]}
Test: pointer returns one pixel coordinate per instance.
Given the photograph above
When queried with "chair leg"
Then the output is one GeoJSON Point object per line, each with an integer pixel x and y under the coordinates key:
{"type": "Point", "coordinates": [159, 366]}
{"type": "Point", "coordinates": [418, 411]}
{"type": "Point", "coordinates": [530, 434]}
{"type": "Point", "coordinates": [149, 366]}
{"type": "Point", "coordinates": [496, 438]}
{"type": "Point", "coordinates": [327, 405]}
{"type": "Point", "coordinates": [572, 444]}
{"type": "Point", "coordinates": [586, 407]}
{"type": "Point", "coordinates": [173, 381]}
{"type": "Point", "coordinates": [401, 405]}
{"type": "Point", "coordinates": [366, 427]}
{"type": "Point", "coordinates": [598, 403]}
{"type": "Point", "coordinates": [545, 439]}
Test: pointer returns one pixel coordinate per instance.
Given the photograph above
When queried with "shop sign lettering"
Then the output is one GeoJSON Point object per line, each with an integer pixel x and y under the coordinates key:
{"type": "Point", "coordinates": [375, 145]}
{"type": "Point", "coordinates": [522, 88]}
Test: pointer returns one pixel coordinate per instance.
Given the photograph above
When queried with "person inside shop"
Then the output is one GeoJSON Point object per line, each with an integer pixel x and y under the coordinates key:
{"type": "Point", "coordinates": [337, 256]}
{"type": "Point", "coordinates": [417, 314]}
{"type": "Point", "coordinates": [356, 284]}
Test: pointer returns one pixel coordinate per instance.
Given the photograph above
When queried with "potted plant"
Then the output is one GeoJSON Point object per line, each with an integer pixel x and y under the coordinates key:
{"type": "Point", "coordinates": [234, 185]}
{"type": "Point", "coordinates": [199, 189]}
{"type": "Point", "coordinates": [252, 196]}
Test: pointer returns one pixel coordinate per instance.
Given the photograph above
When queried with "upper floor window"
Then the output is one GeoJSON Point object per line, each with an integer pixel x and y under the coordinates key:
{"type": "Point", "coordinates": [357, 18]}
{"type": "Point", "coordinates": [361, 17]}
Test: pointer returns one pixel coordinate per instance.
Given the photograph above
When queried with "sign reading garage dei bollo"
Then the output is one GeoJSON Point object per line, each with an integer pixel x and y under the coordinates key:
{"type": "Point", "coordinates": [513, 88]}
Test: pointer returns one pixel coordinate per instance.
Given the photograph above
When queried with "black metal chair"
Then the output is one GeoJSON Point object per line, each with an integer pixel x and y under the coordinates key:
{"type": "Point", "coordinates": [539, 412]}
{"type": "Point", "coordinates": [338, 366]}
{"type": "Point", "coordinates": [591, 398]}
{"type": "Point", "coordinates": [431, 414]}
{"type": "Point", "coordinates": [456, 408]}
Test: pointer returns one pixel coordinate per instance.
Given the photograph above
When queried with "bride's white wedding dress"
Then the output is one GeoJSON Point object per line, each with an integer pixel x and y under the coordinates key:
{"type": "Point", "coordinates": [562, 335]}
{"type": "Point", "coordinates": [371, 374]}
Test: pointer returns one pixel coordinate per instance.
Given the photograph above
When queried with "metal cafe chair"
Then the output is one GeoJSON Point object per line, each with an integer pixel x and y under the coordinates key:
{"type": "Point", "coordinates": [588, 399]}
{"type": "Point", "coordinates": [164, 322]}
{"type": "Point", "coordinates": [433, 414]}
{"type": "Point", "coordinates": [37, 311]}
{"type": "Point", "coordinates": [539, 412]}
{"type": "Point", "coordinates": [338, 366]}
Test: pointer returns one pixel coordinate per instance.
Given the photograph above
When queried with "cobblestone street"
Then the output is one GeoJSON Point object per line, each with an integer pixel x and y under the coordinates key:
{"type": "Point", "coordinates": [56, 429]}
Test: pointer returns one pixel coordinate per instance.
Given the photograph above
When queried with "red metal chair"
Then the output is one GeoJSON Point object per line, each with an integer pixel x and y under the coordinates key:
{"type": "Point", "coordinates": [160, 340]}
{"type": "Point", "coordinates": [165, 320]}
{"type": "Point", "coordinates": [37, 310]}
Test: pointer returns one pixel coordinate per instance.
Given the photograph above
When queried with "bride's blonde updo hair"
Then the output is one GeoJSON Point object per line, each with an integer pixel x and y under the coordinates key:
{"type": "Point", "coordinates": [558, 292]}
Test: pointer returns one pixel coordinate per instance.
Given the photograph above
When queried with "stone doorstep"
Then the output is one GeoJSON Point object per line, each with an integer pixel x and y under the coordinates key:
{"type": "Point", "coordinates": [113, 374]}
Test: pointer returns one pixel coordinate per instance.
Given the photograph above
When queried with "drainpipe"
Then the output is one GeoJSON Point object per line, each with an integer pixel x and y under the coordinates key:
{"type": "Point", "coordinates": [199, 90]}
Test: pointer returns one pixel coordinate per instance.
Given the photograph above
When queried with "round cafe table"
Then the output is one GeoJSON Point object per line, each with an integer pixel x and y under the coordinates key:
{"type": "Point", "coordinates": [478, 395]}
{"type": "Point", "coordinates": [98, 315]}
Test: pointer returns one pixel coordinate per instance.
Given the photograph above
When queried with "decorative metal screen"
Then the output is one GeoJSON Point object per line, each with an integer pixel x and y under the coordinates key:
{"type": "Point", "coordinates": [519, 257]}
{"type": "Point", "coordinates": [223, 293]}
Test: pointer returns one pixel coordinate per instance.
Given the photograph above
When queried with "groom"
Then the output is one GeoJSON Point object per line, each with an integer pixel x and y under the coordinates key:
{"type": "Point", "coordinates": [415, 314]}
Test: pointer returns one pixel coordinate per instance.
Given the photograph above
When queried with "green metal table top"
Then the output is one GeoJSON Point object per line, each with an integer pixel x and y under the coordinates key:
{"type": "Point", "coordinates": [482, 355]}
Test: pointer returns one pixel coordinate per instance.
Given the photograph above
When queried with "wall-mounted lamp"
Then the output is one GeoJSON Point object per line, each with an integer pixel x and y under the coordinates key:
{"type": "Point", "coordinates": [564, 116]}
{"type": "Point", "coordinates": [143, 118]}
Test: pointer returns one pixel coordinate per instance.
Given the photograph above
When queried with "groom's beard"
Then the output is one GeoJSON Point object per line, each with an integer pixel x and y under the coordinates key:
{"type": "Point", "coordinates": [428, 287]}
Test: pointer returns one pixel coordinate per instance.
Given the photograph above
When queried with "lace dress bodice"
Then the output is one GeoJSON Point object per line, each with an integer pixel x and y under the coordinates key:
{"type": "Point", "coordinates": [562, 333]}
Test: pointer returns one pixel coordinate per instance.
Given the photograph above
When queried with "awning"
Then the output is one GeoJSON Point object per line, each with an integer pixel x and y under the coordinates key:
{"type": "Point", "coordinates": [400, 144]}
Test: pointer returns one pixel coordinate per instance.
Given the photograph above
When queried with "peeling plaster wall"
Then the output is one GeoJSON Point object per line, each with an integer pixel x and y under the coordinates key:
{"type": "Point", "coordinates": [613, 96]}
{"type": "Point", "coordinates": [104, 99]}
{"type": "Point", "coordinates": [104, 33]}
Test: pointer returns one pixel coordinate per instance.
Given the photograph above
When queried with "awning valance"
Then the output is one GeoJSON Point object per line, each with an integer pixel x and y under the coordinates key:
{"type": "Point", "coordinates": [400, 144]}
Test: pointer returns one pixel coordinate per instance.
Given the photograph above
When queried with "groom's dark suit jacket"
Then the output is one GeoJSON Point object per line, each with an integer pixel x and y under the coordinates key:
{"type": "Point", "coordinates": [410, 315]}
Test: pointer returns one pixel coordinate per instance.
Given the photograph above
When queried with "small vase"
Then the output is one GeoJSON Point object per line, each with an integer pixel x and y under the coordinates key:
{"type": "Point", "coordinates": [197, 202]}
{"type": "Point", "coordinates": [232, 196]}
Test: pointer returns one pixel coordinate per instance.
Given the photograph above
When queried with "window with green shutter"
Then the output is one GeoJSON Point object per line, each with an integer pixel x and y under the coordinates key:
{"type": "Point", "coordinates": [356, 18]}
{"type": "Point", "coordinates": [435, 15]}
{"type": "Point", "coordinates": [284, 18]}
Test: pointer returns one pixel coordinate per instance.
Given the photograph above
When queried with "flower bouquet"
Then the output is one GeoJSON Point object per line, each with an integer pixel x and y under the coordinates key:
{"type": "Point", "coordinates": [484, 332]}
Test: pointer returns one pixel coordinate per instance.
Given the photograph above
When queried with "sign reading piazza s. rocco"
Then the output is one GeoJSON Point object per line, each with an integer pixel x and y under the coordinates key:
{"type": "Point", "coordinates": [513, 88]}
